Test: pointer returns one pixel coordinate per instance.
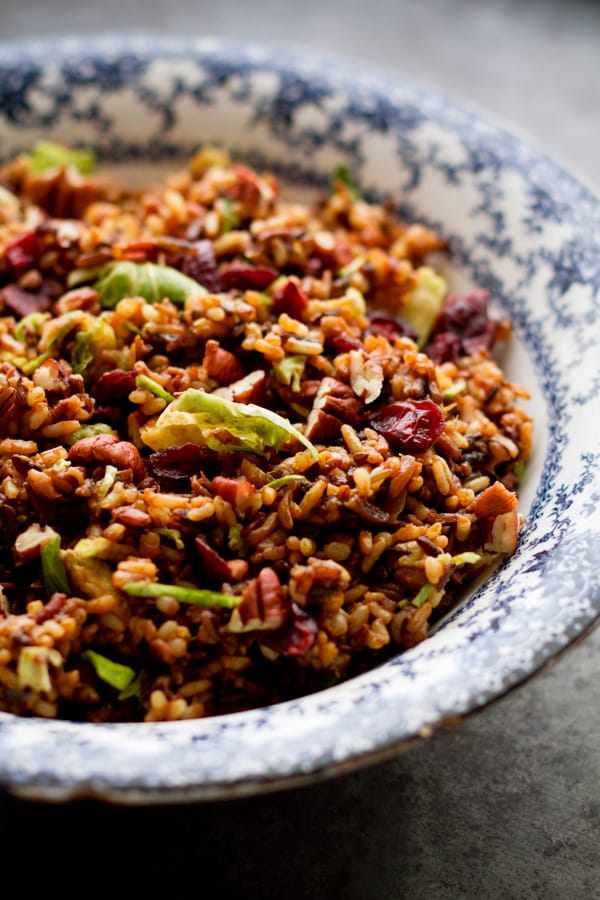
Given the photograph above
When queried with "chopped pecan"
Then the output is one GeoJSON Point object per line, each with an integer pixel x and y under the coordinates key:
{"type": "Point", "coordinates": [220, 364]}
{"type": "Point", "coordinates": [56, 378]}
{"type": "Point", "coordinates": [494, 501]}
{"type": "Point", "coordinates": [249, 389]}
{"type": "Point", "coordinates": [334, 403]}
{"type": "Point", "coordinates": [264, 605]}
{"type": "Point", "coordinates": [62, 192]}
{"type": "Point", "coordinates": [366, 376]}
{"type": "Point", "coordinates": [241, 494]}
{"type": "Point", "coordinates": [499, 507]}
{"type": "Point", "coordinates": [107, 448]}
{"type": "Point", "coordinates": [132, 517]}
{"type": "Point", "coordinates": [29, 543]}
{"type": "Point", "coordinates": [56, 604]}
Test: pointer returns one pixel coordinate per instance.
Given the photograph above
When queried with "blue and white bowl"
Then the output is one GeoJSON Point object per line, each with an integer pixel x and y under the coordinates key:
{"type": "Point", "coordinates": [518, 225]}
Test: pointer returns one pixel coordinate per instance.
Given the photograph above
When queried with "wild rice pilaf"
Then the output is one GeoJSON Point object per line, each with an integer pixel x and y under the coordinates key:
{"type": "Point", "coordinates": [248, 447]}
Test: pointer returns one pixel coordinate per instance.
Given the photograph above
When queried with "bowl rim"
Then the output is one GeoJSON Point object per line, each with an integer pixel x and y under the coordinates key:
{"type": "Point", "coordinates": [309, 718]}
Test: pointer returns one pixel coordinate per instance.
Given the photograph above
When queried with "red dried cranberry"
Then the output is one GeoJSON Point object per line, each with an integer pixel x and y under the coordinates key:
{"type": "Point", "coordinates": [412, 426]}
{"type": "Point", "coordinates": [109, 415]}
{"type": "Point", "coordinates": [113, 387]}
{"type": "Point", "coordinates": [174, 466]}
{"type": "Point", "coordinates": [344, 344]}
{"type": "Point", "coordinates": [246, 276]}
{"type": "Point", "coordinates": [21, 303]}
{"type": "Point", "coordinates": [295, 637]}
{"type": "Point", "coordinates": [444, 347]}
{"type": "Point", "coordinates": [212, 563]}
{"type": "Point", "coordinates": [385, 324]}
{"type": "Point", "coordinates": [289, 299]}
{"type": "Point", "coordinates": [462, 328]}
{"type": "Point", "coordinates": [23, 251]}
{"type": "Point", "coordinates": [201, 265]}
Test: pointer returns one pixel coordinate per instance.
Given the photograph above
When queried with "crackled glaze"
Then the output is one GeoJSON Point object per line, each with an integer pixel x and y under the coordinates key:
{"type": "Point", "coordinates": [518, 225]}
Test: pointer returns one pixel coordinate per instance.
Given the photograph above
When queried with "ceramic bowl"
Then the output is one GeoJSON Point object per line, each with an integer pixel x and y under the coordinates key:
{"type": "Point", "coordinates": [518, 225]}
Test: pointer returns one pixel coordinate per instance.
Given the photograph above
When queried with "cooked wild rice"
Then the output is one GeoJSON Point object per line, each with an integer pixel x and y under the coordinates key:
{"type": "Point", "coordinates": [248, 447]}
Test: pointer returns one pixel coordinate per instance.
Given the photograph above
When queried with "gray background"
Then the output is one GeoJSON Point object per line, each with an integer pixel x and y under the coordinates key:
{"type": "Point", "coordinates": [506, 805]}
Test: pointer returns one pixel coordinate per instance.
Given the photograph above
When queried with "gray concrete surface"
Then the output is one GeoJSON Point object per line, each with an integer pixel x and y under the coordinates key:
{"type": "Point", "coordinates": [506, 805]}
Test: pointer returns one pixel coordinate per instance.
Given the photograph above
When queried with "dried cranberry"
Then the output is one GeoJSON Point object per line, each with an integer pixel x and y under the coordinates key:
{"type": "Point", "coordinates": [113, 387]}
{"type": "Point", "coordinates": [385, 324]}
{"type": "Point", "coordinates": [295, 637]}
{"type": "Point", "coordinates": [463, 327]}
{"type": "Point", "coordinates": [344, 344]}
{"type": "Point", "coordinates": [212, 563]}
{"type": "Point", "coordinates": [22, 303]}
{"type": "Point", "coordinates": [23, 251]}
{"type": "Point", "coordinates": [412, 426]}
{"type": "Point", "coordinates": [289, 299]}
{"type": "Point", "coordinates": [444, 347]}
{"type": "Point", "coordinates": [201, 265]}
{"type": "Point", "coordinates": [109, 415]}
{"type": "Point", "coordinates": [174, 466]}
{"type": "Point", "coordinates": [246, 276]}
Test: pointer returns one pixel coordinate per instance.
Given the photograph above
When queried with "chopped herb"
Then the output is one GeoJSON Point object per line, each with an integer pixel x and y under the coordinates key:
{"type": "Point", "coordinates": [90, 431]}
{"type": "Point", "coordinates": [49, 155]}
{"type": "Point", "coordinates": [468, 558]}
{"type": "Point", "coordinates": [108, 479]}
{"type": "Point", "coordinates": [142, 381]}
{"type": "Point", "coordinates": [235, 539]}
{"type": "Point", "coordinates": [424, 594]}
{"type": "Point", "coordinates": [457, 387]}
{"type": "Point", "coordinates": [115, 674]}
{"type": "Point", "coordinates": [289, 370]}
{"type": "Point", "coordinates": [32, 667]}
{"type": "Point", "coordinates": [285, 480]}
{"type": "Point", "coordinates": [29, 325]}
{"type": "Point", "coordinates": [229, 216]}
{"type": "Point", "coordinates": [53, 568]}
{"type": "Point", "coordinates": [133, 689]}
{"type": "Point", "coordinates": [174, 535]}
{"type": "Point", "coordinates": [91, 343]}
{"type": "Point", "coordinates": [342, 174]}
{"type": "Point", "coordinates": [195, 596]}
{"type": "Point", "coordinates": [422, 305]}
{"type": "Point", "coordinates": [54, 335]}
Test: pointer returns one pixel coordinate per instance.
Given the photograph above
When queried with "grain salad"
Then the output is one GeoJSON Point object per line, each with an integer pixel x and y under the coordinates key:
{"type": "Point", "coordinates": [249, 447]}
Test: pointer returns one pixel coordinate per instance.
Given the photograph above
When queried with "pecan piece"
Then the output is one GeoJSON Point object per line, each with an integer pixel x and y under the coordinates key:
{"type": "Point", "coordinates": [334, 404]}
{"type": "Point", "coordinates": [220, 364]}
{"type": "Point", "coordinates": [241, 494]}
{"type": "Point", "coordinates": [29, 543]}
{"type": "Point", "coordinates": [366, 376]}
{"type": "Point", "coordinates": [108, 449]}
{"type": "Point", "coordinates": [249, 389]}
{"type": "Point", "coordinates": [132, 517]}
{"type": "Point", "coordinates": [499, 507]}
{"type": "Point", "coordinates": [264, 605]}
